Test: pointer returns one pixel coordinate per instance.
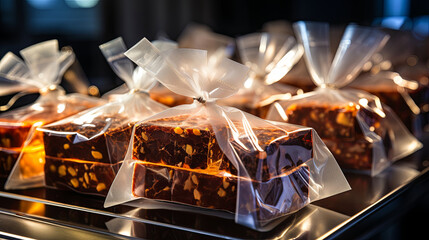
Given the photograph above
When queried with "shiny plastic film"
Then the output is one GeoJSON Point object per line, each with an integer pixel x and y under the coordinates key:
{"type": "Point", "coordinates": [84, 151]}
{"type": "Point", "coordinates": [394, 90]}
{"type": "Point", "coordinates": [270, 57]}
{"type": "Point", "coordinates": [359, 130]}
{"type": "Point", "coordinates": [158, 92]}
{"type": "Point", "coordinates": [211, 158]}
{"type": "Point", "coordinates": [21, 145]}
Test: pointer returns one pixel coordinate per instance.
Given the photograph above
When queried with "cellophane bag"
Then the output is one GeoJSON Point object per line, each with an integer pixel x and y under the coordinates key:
{"type": "Point", "coordinates": [382, 76]}
{"type": "Point", "coordinates": [419, 73]}
{"type": "Point", "coordinates": [84, 151]}
{"type": "Point", "coordinates": [393, 90]}
{"type": "Point", "coordinates": [215, 157]}
{"type": "Point", "coordinates": [298, 76]}
{"type": "Point", "coordinates": [158, 92]}
{"type": "Point", "coordinates": [195, 36]}
{"type": "Point", "coordinates": [269, 57]}
{"type": "Point", "coordinates": [362, 133]}
{"type": "Point", "coordinates": [21, 146]}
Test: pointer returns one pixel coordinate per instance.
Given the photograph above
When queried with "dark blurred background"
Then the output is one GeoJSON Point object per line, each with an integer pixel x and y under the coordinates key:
{"type": "Point", "coordinates": [85, 24]}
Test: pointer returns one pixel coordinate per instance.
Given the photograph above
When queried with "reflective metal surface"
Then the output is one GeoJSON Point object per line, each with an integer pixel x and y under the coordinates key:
{"type": "Point", "coordinates": [51, 213]}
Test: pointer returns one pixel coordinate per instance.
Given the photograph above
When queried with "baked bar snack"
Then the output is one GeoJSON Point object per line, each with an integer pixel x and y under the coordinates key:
{"type": "Point", "coordinates": [180, 161]}
{"type": "Point", "coordinates": [15, 128]}
{"type": "Point", "coordinates": [209, 156]}
{"type": "Point", "coordinates": [85, 157]}
{"type": "Point", "coordinates": [333, 120]}
{"type": "Point", "coordinates": [339, 128]}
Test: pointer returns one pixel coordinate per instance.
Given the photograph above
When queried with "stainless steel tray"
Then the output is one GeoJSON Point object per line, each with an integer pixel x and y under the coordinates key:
{"type": "Point", "coordinates": [53, 214]}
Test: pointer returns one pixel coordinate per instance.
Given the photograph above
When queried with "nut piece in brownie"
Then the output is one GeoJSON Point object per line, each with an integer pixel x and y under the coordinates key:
{"type": "Point", "coordinates": [85, 157]}
{"type": "Point", "coordinates": [181, 161]}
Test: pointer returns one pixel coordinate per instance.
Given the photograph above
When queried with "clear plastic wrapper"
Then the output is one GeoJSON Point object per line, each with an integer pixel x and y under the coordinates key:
{"type": "Point", "coordinates": [393, 90]}
{"type": "Point", "coordinates": [360, 132]}
{"type": "Point", "coordinates": [21, 146]}
{"type": "Point", "coordinates": [84, 151]}
{"type": "Point", "coordinates": [158, 92]}
{"type": "Point", "coordinates": [215, 157]}
{"type": "Point", "coordinates": [298, 76]}
{"type": "Point", "coordinates": [419, 73]}
{"type": "Point", "coordinates": [198, 37]}
{"type": "Point", "coordinates": [270, 57]}
{"type": "Point", "coordinates": [383, 76]}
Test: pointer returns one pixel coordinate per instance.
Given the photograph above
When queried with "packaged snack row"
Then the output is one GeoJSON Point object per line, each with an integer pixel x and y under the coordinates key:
{"type": "Point", "coordinates": [84, 151]}
{"type": "Point", "coordinates": [207, 153]}
{"type": "Point", "coordinates": [217, 157]}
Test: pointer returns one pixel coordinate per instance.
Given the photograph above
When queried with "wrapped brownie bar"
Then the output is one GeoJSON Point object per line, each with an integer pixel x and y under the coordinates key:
{"type": "Point", "coordinates": [393, 90]}
{"type": "Point", "coordinates": [215, 157]}
{"type": "Point", "coordinates": [269, 57]}
{"type": "Point", "coordinates": [382, 76]}
{"type": "Point", "coordinates": [21, 146]}
{"type": "Point", "coordinates": [84, 151]}
{"type": "Point", "coordinates": [360, 131]}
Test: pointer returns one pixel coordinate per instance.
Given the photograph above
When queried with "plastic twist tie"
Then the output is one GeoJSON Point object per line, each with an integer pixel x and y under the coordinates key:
{"type": "Point", "coordinates": [136, 90]}
{"type": "Point", "coordinates": [200, 99]}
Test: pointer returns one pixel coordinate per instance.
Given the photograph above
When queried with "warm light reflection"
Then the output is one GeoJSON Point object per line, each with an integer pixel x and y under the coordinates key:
{"type": "Point", "coordinates": [413, 85]}
{"type": "Point", "coordinates": [248, 83]}
{"type": "Point", "coordinates": [306, 226]}
{"type": "Point", "coordinates": [377, 109]}
{"type": "Point", "coordinates": [385, 65]}
{"type": "Point", "coordinates": [281, 111]}
{"type": "Point", "coordinates": [37, 107]}
{"type": "Point", "coordinates": [61, 107]}
{"type": "Point", "coordinates": [33, 208]}
{"type": "Point", "coordinates": [409, 101]}
{"type": "Point", "coordinates": [275, 97]}
{"type": "Point", "coordinates": [263, 45]}
{"type": "Point", "coordinates": [32, 158]}
{"type": "Point", "coordinates": [367, 66]}
{"type": "Point", "coordinates": [275, 75]}
{"type": "Point", "coordinates": [363, 102]}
